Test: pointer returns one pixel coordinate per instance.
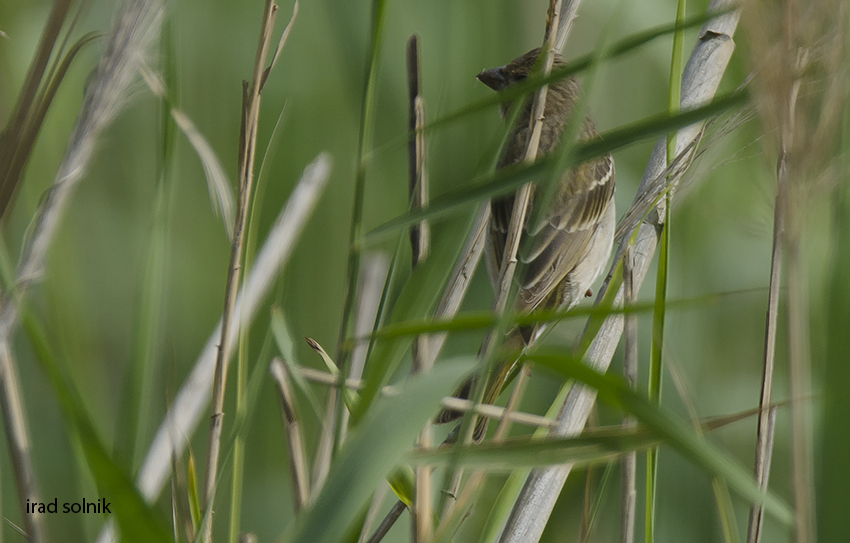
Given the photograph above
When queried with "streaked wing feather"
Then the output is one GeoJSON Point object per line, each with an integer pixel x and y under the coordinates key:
{"type": "Point", "coordinates": [558, 247]}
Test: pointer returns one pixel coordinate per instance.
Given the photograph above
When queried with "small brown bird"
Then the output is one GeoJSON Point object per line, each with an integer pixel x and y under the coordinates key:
{"type": "Point", "coordinates": [564, 256]}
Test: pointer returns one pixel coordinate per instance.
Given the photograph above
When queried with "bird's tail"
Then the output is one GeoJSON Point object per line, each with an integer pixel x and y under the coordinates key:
{"type": "Point", "coordinates": [498, 378]}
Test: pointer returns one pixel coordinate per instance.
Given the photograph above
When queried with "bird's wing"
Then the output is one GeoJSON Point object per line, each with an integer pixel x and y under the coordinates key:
{"type": "Point", "coordinates": [562, 242]}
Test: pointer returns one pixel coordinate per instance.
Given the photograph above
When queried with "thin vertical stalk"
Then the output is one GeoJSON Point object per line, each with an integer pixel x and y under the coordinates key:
{"type": "Point", "coordinates": [833, 520]}
{"type": "Point", "coordinates": [796, 202]}
{"type": "Point", "coordinates": [17, 435]}
{"type": "Point", "coordinates": [800, 367]}
{"type": "Point", "coordinates": [422, 525]}
{"type": "Point", "coordinates": [249, 254]}
{"type": "Point", "coordinates": [364, 144]}
{"type": "Point", "coordinates": [19, 120]}
{"type": "Point", "coordinates": [507, 267]}
{"type": "Point", "coordinates": [766, 433]}
{"type": "Point", "coordinates": [145, 348]}
{"type": "Point", "coordinates": [656, 370]}
{"type": "Point", "coordinates": [295, 442]}
{"type": "Point", "coordinates": [461, 276]}
{"type": "Point", "coordinates": [239, 440]}
{"type": "Point", "coordinates": [247, 148]}
{"type": "Point", "coordinates": [367, 121]}
{"type": "Point", "coordinates": [628, 505]}
{"type": "Point", "coordinates": [764, 445]}
{"type": "Point", "coordinates": [388, 522]}
{"type": "Point", "coordinates": [656, 361]}
{"type": "Point", "coordinates": [508, 264]}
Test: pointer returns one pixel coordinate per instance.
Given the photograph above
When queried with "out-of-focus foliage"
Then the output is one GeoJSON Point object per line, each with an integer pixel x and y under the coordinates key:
{"type": "Point", "coordinates": [91, 298]}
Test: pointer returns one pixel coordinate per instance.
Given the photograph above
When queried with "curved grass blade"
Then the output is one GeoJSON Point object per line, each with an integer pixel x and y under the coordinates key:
{"type": "Point", "coordinates": [509, 456]}
{"type": "Point", "coordinates": [533, 83]}
{"type": "Point", "coordinates": [656, 362]}
{"type": "Point", "coordinates": [283, 338]}
{"type": "Point", "coordinates": [479, 320]}
{"type": "Point", "coordinates": [137, 520]}
{"type": "Point", "coordinates": [372, 451]}
{"type": "Point", "coordinates": [614, 391]}
{"type": "Point", "coordinates": [509, 179]}
{"type": "Point", "coordinates": [364, 144]}
{"type": "Point", "coordinates": [592, 446]}
{"type": "Point", "coordinates": [417, 300]}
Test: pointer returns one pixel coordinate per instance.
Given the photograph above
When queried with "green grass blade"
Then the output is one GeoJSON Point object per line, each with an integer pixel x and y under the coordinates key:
{"type": "Point", "coordinates": [367, 123]}
{"type": "Point", "coordinates": [417, 300]}
{"type": "Point", "coordinates": [382, 312]}
{"type": "Point", "coordinates": [596, 509]}
{"type": "Point", "coordinates": [656, 367]}
{"type": "Point", "coordinates": [479, 320]}
{"type": "Point", "coordinates": [194, 496]}
{"type": "Point", "coordinates": [403, 482]}
{"type": "Point", "coordinates": [580, 64]}
{"type": "Point", "coordinates": [726, 511]}
{"type": "Point", "coordinates": [283, 338]}
{"type": "Point", "coordinates": [512, 487]}
{"type": "Point", "coordinates": [137, 521]}
{"type": "Point", "coordinates": [508, 456]}
{"type": "Point", "coordinates": [135, 425]}
{"type": "Point", "coordinates": [509, 179]}
{"type": "Point", "coordinates": [371, 452]}
{"type": "Point", "coordinates": [247, 393]}
{"type": "Point", "coordinates": [613, 390]}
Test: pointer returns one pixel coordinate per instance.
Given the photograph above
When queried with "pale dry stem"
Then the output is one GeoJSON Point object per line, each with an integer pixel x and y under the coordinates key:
{"type": "Point", "coordinates": [507, 267]}
{"type": "Point", "coordinates": [701, 77]}
{"type": "Point", "coordinates": [248, 141]}
{"type": "Point", "coordinates": [295, 441]}
{"type": "Point", "coordinates": [422, 526]}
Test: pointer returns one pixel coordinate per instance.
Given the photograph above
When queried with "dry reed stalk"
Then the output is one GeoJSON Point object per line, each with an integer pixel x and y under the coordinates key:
{"type": "Point", "coordinates": [420, 242]}
{"type": "Point", "coordinates": [294, 441]}
{"type": "Point", "coordinates": [388, 522]}
{"type": "Point", "coordinates": [456, 503]}
{"type": "Point", "coordinates": [509, 261]}
{"type": "Point", "coordinates": [764, 454]}
{"type": "Point", "coordinates": [20, 445]}
{"type": "Point", "coordinates": [375, 267]}
{"type": "Point", "coordinates": [194, 395]}
{"type": "Point", "coordinates": [799, 53]}
{"type": "Point", "coordinates": [247, 147]}
{"type": "Point", "coordinates": [455, 404]}
{"type": "Point", "coordinates": [628, 505]}
{"type": "Point", "coordinates": [461, 276]}
{"type": "Point", "coordinates": [764, 433]}
{"type": "Point", "coordinates": [700, 80]}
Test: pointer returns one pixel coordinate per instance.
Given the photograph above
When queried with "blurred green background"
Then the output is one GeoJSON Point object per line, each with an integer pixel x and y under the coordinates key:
{"type": "Point", "coordinates": [93, 287]}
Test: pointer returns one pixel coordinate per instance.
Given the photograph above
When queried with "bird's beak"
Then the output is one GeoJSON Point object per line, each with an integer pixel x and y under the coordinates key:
{"type": "Point", "coordinates": [493, 78]}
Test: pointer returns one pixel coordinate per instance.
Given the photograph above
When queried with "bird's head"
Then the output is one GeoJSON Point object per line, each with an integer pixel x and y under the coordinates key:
{"type": "Point", "coordinates": [515, 71]}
